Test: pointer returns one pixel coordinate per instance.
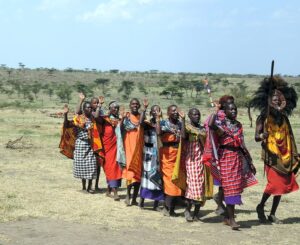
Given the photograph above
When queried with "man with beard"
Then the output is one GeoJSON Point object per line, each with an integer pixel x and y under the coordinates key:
{"type": "Point", "coordinates": [276, 101]}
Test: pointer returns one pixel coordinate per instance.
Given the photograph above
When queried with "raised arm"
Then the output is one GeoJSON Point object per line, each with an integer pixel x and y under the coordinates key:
{"type": "Point", "coordinates": [143, 114]}
{"type": "Point", "coordinates": [66, 111]}
{"type": "Point", "coordinates": [81, 99]}
{"type": "Point", "coordinates": [158, 117]}
{"type": "Point", "coordinates": [98, 110]}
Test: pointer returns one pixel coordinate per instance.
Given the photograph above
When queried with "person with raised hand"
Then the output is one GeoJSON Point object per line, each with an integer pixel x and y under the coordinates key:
{"type": "Point", "coordinates": [133, 146]}
{"type": "Point", "coordinates": [170, 131]}
{"type": "Point", "coordinates": [199, 180]}
{"type": "Point", "coordinates": [151, 183]}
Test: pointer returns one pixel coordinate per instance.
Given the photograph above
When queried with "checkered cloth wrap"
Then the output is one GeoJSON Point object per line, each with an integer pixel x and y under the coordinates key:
{"type": "Point", "coordinates": [234, 164]}
{"type": "Point", "coordinates": [85, 163]}
{"type": "Point", "coordinates": [194, 171]}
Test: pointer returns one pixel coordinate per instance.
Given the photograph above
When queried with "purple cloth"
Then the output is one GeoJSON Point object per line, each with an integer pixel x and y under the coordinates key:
{"type": "Point", "coordinates": [156, 195]}
{"type": "Point", "coordinates": [217, 182]}
{"type": "Point", "coordinates": [233, 200]}
{"type": "Point", "coordinates": [114, 183]}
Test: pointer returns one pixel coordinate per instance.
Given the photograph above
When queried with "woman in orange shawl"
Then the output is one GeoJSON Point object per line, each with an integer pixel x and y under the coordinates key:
{"type": "Point", "coordinates": [170, 131]}
{"type": "Point", "coordinates": [133, 146]}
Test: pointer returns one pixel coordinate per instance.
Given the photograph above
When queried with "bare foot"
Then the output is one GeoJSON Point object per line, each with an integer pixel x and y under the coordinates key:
{"type": "Point", "coordinates": [233, 224]}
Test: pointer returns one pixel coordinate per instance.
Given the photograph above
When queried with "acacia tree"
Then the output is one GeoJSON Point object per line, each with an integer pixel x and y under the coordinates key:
{"type": "Point", "coordinates": [126, 88]}
{"type": "Point", "coordinates": [64, 92]}
{"type": "Point", "coordinates": [142, 88]}
{"type": "Point", "coordinates": [103, 82]}
{"type": "Point", "coordinates": [36, 88]}
{"type": "Point", "coordinates": [81, 87]}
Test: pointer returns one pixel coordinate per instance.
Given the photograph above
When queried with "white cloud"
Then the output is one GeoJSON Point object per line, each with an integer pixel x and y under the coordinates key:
{"type": "Point", "coordinates": [47, 5]}
{"type": "Point", "coordinates": [111, 10]}
{"type": "Point", "coordinates": [115, 10]}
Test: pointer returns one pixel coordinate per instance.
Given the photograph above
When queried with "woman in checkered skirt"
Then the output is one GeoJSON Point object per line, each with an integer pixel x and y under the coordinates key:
{"type": "Point", "coordinates": [199, 180]}
{"type": "Point", "coordinates": [85, 163]}
{"type": "Point", "coordinates": [236, 168]}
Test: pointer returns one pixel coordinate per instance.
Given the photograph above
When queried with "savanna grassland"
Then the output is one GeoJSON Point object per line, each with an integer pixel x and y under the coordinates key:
{"type": "Point", "coordinates": [41, 202]}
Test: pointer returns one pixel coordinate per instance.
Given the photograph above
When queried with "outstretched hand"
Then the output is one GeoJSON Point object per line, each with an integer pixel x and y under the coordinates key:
{"type": "Point", "coordinates": [122, 112]}
{"type": "Point", "coordinates": [145, 103]}
{"type": "Point", "coordinates": [158, 112]}
{"type": "Point", "coordinates": [81, 96]}
{"type": "Point", "coordinates": [181, 114]}
{"type": "Point", "coordinates": [66, 108]}
{"type": "Point", "coordinates": [101, 100]}
{"type": "Point", "coordinates": [263, 136]}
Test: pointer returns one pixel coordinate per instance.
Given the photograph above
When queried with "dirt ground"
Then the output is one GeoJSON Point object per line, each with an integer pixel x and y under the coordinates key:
{"type": "Point", "coordinates": [41, 202]}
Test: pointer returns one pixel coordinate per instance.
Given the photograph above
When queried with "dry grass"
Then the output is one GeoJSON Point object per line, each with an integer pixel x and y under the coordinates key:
{"type": "Point", "coordinates": [38, 183]}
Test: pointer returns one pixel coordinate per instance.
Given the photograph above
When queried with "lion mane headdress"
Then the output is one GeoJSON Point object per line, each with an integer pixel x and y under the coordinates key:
{"type": "Point", "coordinates": [269, 87]}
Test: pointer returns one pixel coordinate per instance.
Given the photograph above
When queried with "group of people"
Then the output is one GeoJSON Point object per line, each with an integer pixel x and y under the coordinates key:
{"type": "Point", "coordinates": [171, 159]}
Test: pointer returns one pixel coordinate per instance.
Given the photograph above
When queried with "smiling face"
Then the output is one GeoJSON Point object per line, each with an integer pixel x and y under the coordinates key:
{"type": "Point", "coordinates": [231, 111]}
{"type": "Point", "coordinates": [87, 109]}
{"type": "Point", "coordinates": [194, 115]}
{"type": "Point", "coordinates": [134, 106]}
{"type": "Point", "coordinates": [114, 109]}
{"type": "Point", "coordinates": [173, 113]}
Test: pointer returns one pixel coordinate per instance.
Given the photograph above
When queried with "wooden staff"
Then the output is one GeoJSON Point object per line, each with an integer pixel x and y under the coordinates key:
{"type": "Point", "coordinates": [271, 85]}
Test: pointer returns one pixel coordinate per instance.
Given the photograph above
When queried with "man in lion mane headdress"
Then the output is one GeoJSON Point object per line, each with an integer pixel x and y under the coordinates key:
{"type": "Point", "coordinates": [275, 100]}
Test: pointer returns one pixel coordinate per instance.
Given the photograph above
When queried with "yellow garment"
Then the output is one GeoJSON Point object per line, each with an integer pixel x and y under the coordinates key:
{"type": "Point", "coordinates": [209, 183]}
{"type": "Point", "coordinates": [279, 140]}
{"type": "Point", "coordinates": [179, 175]}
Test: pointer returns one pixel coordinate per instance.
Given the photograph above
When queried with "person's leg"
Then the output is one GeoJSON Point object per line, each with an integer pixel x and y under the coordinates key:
{"type": "Point", "coordinates": [173, 202]}
{"type": "Point", "coordinates": [272, 217]}
{"type": "Point", "coordinates": [232, 222]}
{"type": "Point", "coordinates": [108, 191]}
{"type": "Point", "coordinates": [167, 204]}
{"type": "Point", "coordinates": [155, 205]}
{"type": "Point", "coordinates": [83, 181]}
{"type": "Point", "coordinates": [128, 195]}
{"type": "Point", "coordinates": [141, 203]}
{"type": "Point", "coordinates": [196, 212]}
{"type": "Point", "coordinates": [116, 196]}
{"type": "Point", "coordinates": [219, 199]}
{"type": "Point", "coordinates": [136, 188]}
{"type": "Point", "coordinates": [260, 208]}
{"type": "Point", "coordinates": [89, 188]}
{"type": "Point", "coordinates": [187, 212]}
{"type": "Point", "coordinates": [97, 179]}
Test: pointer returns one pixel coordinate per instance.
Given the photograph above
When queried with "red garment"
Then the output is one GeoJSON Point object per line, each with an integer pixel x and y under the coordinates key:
{"type": "Point", "coordinates": [234, 166]}
{"type": "Point", "coordinates": [279, 184]}
{"type": "Point", "coordinates": [195, 172]}
{"type": "Point", "coordinates": [111, 167]}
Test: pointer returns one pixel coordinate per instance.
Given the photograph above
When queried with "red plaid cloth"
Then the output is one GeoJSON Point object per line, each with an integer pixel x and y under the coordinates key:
{"type": "Point", "coordinates": [234, 168]}
{"type": "Point", "coordinates": [194, 171]}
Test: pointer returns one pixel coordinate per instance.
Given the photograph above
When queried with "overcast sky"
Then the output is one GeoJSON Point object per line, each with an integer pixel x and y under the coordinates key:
{"type": "Point", "coordinates": [229, 36]}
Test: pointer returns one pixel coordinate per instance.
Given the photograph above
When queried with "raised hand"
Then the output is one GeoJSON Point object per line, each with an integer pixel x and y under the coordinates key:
{"type": "Point", "coordinates": [122, 112]}
{"type": "Point", "coordinates": [158, 112]}
{"type": "Point", "coordinates": [263, 136]}
{"type": "Point", "coordinates": [66, 109]}
{"type": "Point", "coordinates": [145, 103]}
{"type": "Point", "coordinates": [81, 96]}
{"type": "Point", "coordinates": [181, 114]}
{"type": "Point", "coordinates": [101, 100]}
